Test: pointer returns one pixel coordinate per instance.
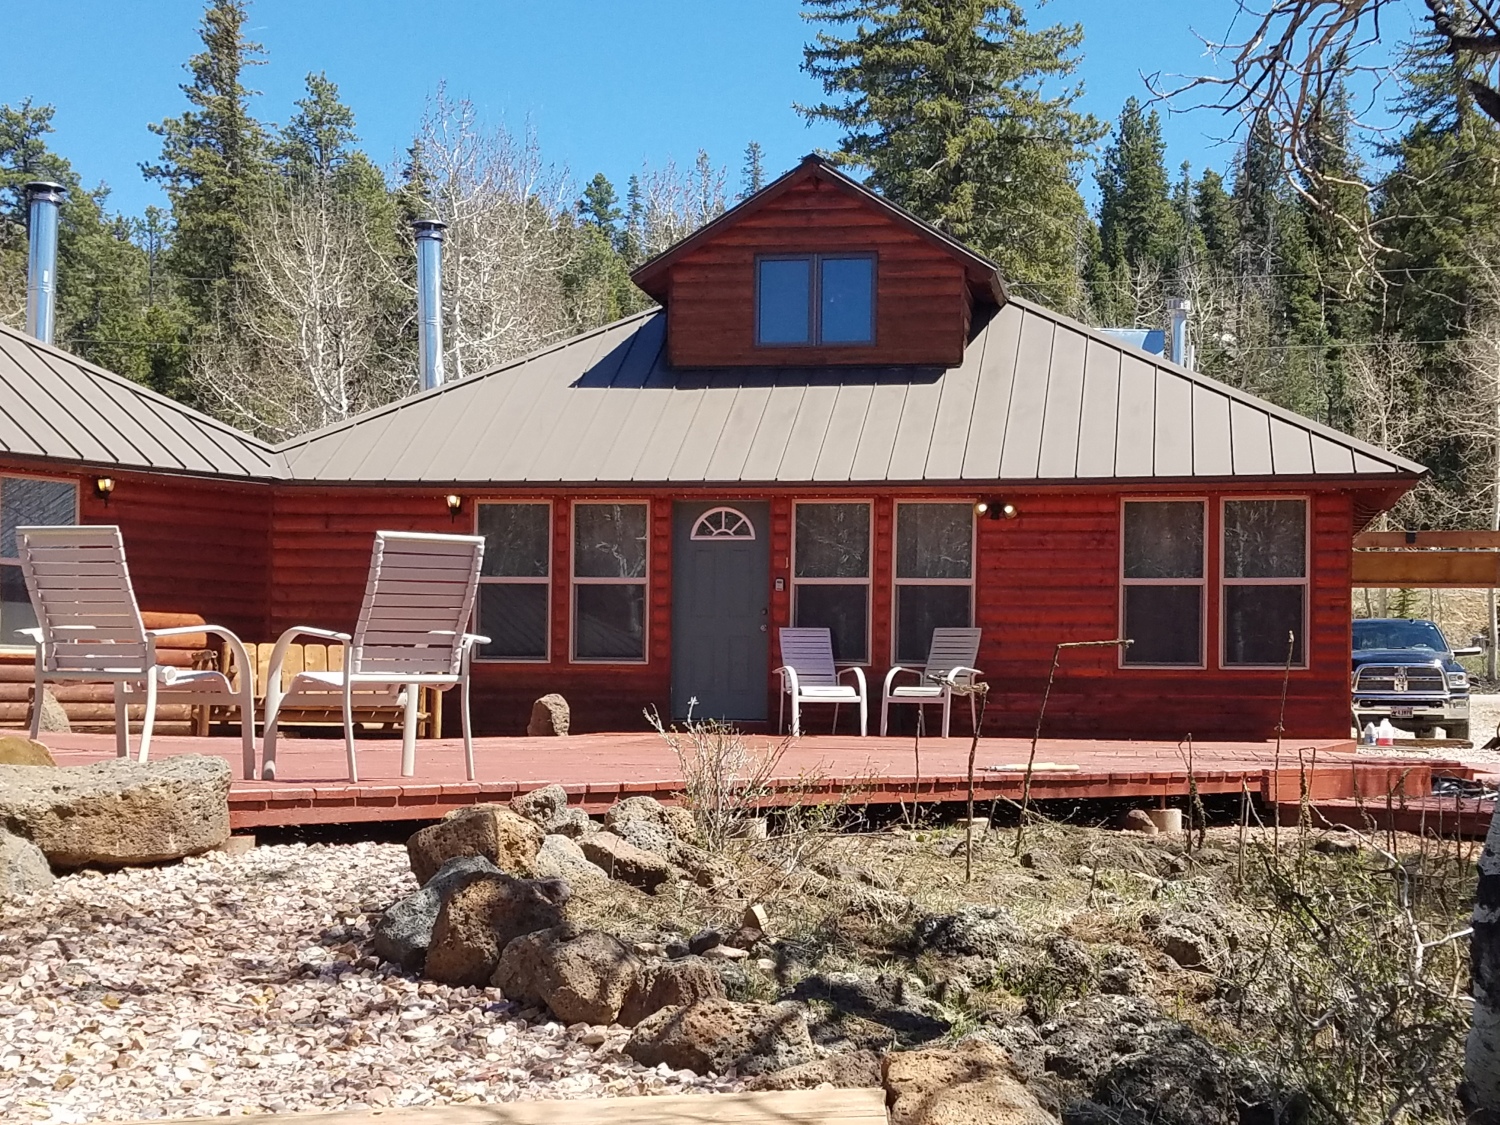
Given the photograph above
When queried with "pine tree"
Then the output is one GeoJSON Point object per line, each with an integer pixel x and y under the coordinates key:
{"type": "Point", "coordinates": [1140, 230]}
{"type": "Point", "coordinates": [598, 205]}
{"type": "Point", "coordinates": [753, 171]}
{"type": "Point", "coordinates": [944, 105]}
{"type": "Point", "coordinates": [213, 161]}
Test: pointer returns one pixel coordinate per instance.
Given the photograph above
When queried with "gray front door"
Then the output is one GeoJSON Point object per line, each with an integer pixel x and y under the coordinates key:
{"type": "Point", "coordinates": [721, 573]}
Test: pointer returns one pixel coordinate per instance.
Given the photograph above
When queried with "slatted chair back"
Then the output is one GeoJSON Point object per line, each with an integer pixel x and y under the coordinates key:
{"type": "Point", "coordinates": [952, 648]}
{"type": "Point", "coordinates": [85, 606]}
{"type": "Point", "coordinates": [418, 602]}
{"type": "Point", "coordinates": [809, 652]}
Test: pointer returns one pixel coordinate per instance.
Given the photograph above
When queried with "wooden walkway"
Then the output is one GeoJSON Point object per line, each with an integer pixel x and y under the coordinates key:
{"type": "Point", "coordinates": [599, 769]}
{"type": "Point", "coordinates": [791, 1107]}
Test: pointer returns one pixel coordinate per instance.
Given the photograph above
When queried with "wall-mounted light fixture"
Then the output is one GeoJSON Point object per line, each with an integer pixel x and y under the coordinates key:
{"type": "Point", "coordinates": [103, 486]}
{"type": "Point", "coordinates": [455, 505]}
{"type": "Point", "coordinates": [996, 510]}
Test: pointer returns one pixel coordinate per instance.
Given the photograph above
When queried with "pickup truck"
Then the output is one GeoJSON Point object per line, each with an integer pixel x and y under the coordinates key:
{"type": "Point", "coordinates": [1406, 671]}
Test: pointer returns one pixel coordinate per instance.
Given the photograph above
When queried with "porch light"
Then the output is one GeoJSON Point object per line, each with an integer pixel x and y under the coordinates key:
{"type": "Point", "coordinates": [455, 504]}
{"type": "Point", "coordinates": [103, 486]}
{"type": "Point", "coordinates": [996, 509]}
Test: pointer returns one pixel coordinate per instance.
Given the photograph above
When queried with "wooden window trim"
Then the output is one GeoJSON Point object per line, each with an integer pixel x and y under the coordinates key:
{"type": "Point", "coordinates": [8, 646]}
{"type": "Point", "coordinates": [575, 581]}
{"type": "Point", "coordinates": [814, 262]}
{"type": "Point", "coordinates": [868, 581]}
{"type": "Point", "coordinates": [897, 581]}
{"type": "Point", "coordinates": [1201, 582]}
{"type": "Point", "coordinates": [502, 580]}
{"type": "Point", "coordinates": [1305, 582]}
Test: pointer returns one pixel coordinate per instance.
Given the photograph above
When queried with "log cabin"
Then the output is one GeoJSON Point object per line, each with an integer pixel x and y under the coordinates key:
{"type": "Point", "coordinates": [836, 416]}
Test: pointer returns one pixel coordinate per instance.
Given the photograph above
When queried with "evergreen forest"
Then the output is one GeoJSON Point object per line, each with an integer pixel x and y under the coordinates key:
{"type": "Point", "coordinates": [276, 290]}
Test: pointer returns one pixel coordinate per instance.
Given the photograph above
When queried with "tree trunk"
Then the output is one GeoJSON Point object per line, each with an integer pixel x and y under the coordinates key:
{"type": "Point", "coordinates": [1482, 1058]}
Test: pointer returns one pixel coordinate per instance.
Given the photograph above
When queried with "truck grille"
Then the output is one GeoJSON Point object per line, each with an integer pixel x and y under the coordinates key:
{"type": "Point", "coordinates": [1414, 678]}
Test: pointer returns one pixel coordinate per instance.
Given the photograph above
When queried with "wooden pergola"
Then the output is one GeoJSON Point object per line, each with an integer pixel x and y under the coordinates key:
{"type": "Point", "coordinates": [1454, 560]}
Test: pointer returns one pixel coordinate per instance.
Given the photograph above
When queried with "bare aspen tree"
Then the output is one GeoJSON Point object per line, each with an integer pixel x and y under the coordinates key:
{"type": "Point", "coordinates": [503, 255]}
{"type": "Point", "coordinates": [674, 205]}
{"type": "Point", "coordinates": [1475, 413]}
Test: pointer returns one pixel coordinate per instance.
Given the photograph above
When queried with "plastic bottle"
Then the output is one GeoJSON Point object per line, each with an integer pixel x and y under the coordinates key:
{"type": "Point", "coordinates": [1385, 734]}
{"type": "Point", "coordinates": [1368, 738]}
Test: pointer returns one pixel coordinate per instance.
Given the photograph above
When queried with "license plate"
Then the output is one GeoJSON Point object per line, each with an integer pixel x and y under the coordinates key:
{"type": "Point", "coordinates": [1400, 712]}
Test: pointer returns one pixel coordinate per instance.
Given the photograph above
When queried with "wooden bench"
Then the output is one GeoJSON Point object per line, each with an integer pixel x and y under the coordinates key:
{"type": "Point", "coordinates": [91, 706]}
{"type": "Point", "coordinates": [377, 710]}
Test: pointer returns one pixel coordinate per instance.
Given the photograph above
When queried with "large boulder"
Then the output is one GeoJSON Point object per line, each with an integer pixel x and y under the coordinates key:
{"type": "Point", "coordinates": [622, 860]}
{"type": "Point", "coordinates": [971, 1084]}
{"type": "Point", "coordinates": [644, 822]}
{"type": "Point", "coordinates": [975, 931]}
{"type": "Point", "coordinates": [549, 717]}
{"type": "Point", "coordinates": [671, 984]}
{"type": "Point", "coordinates": [18, 751]}
{"type": "Point", "coordinates": [581, 978]}
{"type": "Point", "coordinates": [23, 867]}
{"type": "Point", "coordinates": [54, 715]}
{"type": "Point", "coordinates": [405, 930]}
{"type": "Point", "coordinates": [482, 914]}
{"type": "Point", "coordinates": [507, 840]}
{"type": "Point", "coordinates": [1198, 937]}
{"type": "Point", "coordinates": [713, 1035]}
{"type": "Point", "coordinates": [118, 812]}
{"type": "Point", "coordinates": [849, 1070]}
{"type": "Point", "coordinates": [548, 809]}
{"type": "Point", "coordinates": [561, 858]}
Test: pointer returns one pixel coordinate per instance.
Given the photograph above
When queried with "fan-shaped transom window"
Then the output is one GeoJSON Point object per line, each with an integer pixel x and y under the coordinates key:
{"type": "Point", "coordinates": [723, 523]}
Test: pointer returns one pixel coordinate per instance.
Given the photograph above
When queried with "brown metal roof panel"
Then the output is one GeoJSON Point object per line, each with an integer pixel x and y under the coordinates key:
{"type": "Point", "coordinates": [1021, 450]}
{"type": "Point", "coordinates": [358, 453]}
{"type": "Point", "coordinates": [636, 350]}
{"type": "Point", "coordinates": [34, 391]}
{"type": "Point", "coordinates": [1135, 437]}
{"type": "Point", "coordinates": [877, 437]}
{"type": "Point", "coordinates": [997, 372]}
{"type": "Point", "coordinates": [701, 440]}
{"type": "Point", "coordinates": [1213, 454]}
{"type": "Point", "coordinates": [1064, 407]}
{"type": "Point", "coordinates": [490, 457]}
{"type": "Point", "coordinates": [746, 412]}
{"type": "Point", "coordinates": [620, 456]}
{"type": "Point", "coordinates": [1099, 413]}
{"type": "Point", "coordinates": [1291, 449]}
{"type": "Point", "coordinates": [552, 414]}
{"type": "Point", "coordinates": [1174, 424]}
{"type": "Point", "coordinates": [1331, 457]}
{"type": "Point", "coordinates": [1364, 464]}
{"type": "Point", "coordinates": [841, 439]}
{"type": "Point", "coordinates": [950, 429]}
{"type": "Point", "coordinates": [809, 432]}
{"type": "Point", "coordinates": [913, 437]}
{"type": "Point", "coordinates": [678, 416]}
{"type": "Point", "coordinates": [418, 443]}
{"type": "Point", "coordinates": [1250, 430]}
{"type": "Point", "coordinates": [773, 434]}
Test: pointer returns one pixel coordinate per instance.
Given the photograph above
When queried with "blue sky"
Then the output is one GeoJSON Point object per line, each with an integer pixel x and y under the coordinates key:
{"type": "Point", "coordinates": [608, 84]}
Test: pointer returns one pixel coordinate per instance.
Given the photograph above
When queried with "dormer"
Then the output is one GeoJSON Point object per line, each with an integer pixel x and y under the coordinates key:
{"type": "Point", "coordinates": [817, 270]}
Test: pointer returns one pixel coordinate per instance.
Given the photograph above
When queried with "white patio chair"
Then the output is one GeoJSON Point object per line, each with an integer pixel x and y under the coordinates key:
{"type": "Point", "coordinates": [808, 675]}
{"type": "Point", "coordinates": [950, 664]}
{"type": "Point", "coordinates": [89, 628]}
{"type": "Point", "coordinates": [411, 631]}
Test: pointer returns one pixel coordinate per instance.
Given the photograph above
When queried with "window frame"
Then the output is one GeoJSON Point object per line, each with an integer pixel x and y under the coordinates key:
{"type": "Point", "coordinates": [868, 581]}
{"type": "Point", "coordinates": [897, 581]}
{"type": "Point", "coordinates": [815, 260]}
{"type": "Point", "coordinates": [508, 580]}
{"type": "Point", "coordinates": [1305, 582]}
{"type": "Point", "coordinates": [1202, 582]}
{"type": "Point", "coordinates": [7, 646]}
{"type": "Point", "coordinates": [575, 580]}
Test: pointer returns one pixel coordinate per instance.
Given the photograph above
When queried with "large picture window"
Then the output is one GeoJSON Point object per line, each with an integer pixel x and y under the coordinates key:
{"type": "Point", "coordinates": [610, 550]}
{"type": "Point", "coordinates": [1265, 582]}
{"type": "Point", "coordinates": [515, 586]}
{"type": "Point", "coordinates": [26, 502]}
{"type": "Point", "coordinates": [831, 575]}
{"type": "Point", "coordinates": [934, 574]}
{"type": "Point", "coordinates": [815, 299]}
{"type": "Point", "coordinates": [1162, 582]}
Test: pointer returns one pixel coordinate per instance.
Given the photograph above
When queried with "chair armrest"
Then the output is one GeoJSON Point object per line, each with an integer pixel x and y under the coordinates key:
{"type": "Point", "coordinates": [236, 646]}
{"type": "Point", "coordinates": [472, 639]}
{"type": "Point", "coordinates": [891, 675]}
{"type": "Point", "coordinates": [34, 633]}
{"type": "Point", "coordinates": [859, 674]}
{"type": "Point", "coordinates": [278, 657]}
{"type": "Point", "coordinates": [954, 675]}
{"type": "Point", "coordinates": [788, 679]}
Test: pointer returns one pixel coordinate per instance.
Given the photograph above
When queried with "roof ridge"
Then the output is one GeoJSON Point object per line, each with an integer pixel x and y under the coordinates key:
{"type": "Point", "coordinates": [1209, 383]}
{"type": "Point", "coordinates": [467, 381]}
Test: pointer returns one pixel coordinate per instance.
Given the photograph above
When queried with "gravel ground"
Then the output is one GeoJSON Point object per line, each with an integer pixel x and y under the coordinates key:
{"type": "Point", "coordinates": [228, 985]}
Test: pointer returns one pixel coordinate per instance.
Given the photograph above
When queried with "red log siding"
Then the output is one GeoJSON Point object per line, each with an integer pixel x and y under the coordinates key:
{"type": "Point", "coordinates": [922, 303]}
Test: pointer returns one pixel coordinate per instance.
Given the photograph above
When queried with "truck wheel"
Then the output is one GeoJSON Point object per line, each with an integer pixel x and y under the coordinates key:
{"type": "Point", "coordinates": [1458, 730]}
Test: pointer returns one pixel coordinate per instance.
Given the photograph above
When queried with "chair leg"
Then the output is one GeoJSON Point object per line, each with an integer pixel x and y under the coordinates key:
{"type": "Point", "coordinates": [247, 731]}
{"type": "Point", "coordinates": [149, 719]}
{"type": "Point", "coordinates": [268, 745]}
{"type": "Point", "coordinates": [796, 717]}
{"type": "Point", "coordinates": [835, 719]}
{"type": "Point", "coordinates": [409, 732]}
{"type": "Point", "coordinates": [864, 716]}
{"type": "Point", "coordinates": [947, 711]}
{"type": "Point", "coordinates": [122, 722]}
{"type": "Point", "coordinates": [885, 714]}
{"type": "Point", "coordinates": [36, 700]}
{"type": "Point", "coordinates": [468, 735]}
{"type": "Point", "coordinates": [349, 729]}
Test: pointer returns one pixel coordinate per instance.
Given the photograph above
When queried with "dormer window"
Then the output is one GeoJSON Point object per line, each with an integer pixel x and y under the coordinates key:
{"type": "Point", "coordinates": [814, 299]}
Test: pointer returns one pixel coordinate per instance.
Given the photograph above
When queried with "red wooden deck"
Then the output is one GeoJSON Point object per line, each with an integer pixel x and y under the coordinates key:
{"type": "Point", "coordinates": [599, 769]}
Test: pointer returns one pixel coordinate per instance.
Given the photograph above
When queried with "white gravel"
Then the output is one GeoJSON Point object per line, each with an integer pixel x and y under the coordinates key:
{"type": "Point", "coordinates": [230, 985]}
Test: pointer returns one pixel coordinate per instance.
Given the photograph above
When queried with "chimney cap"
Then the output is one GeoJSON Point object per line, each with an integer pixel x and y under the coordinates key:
{"type": "Point", "coordinates": [45, 188]}
{"type": "Point", "coordinates": [429, 226]}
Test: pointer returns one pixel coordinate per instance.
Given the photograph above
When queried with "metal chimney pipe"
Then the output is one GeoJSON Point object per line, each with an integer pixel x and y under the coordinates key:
{"type": "Point", "coordinates": [430, 300]}
{"type": "Point", "coordinates": [1177, 314]}
{"type": "Point", "coordinates": [43, 199]}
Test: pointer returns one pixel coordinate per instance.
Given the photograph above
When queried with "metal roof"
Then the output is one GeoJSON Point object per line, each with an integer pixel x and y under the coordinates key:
{"type": "Point", "coordinates": [57, 406]}
{"type": "Point", "coordinates": [1038, 397]}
